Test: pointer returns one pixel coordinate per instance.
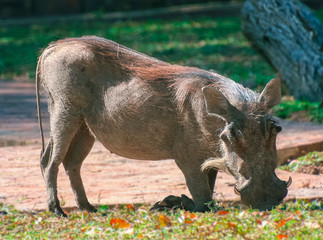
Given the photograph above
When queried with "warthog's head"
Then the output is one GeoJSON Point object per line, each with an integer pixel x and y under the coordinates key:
{"type": "Point", "coordinates": [248, 144]}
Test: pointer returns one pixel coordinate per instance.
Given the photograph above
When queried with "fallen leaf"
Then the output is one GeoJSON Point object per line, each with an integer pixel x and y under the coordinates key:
{"type": "Point", "coordinates": [312, 225]}
{"type": "Point", "coordinates": [119, 223]}
{"type": "Point", "coordinates": [140, 235]}
{"type": "Point", "coordinates": [297, 212]}
{"type": "Point", "coordinates": [280, 223]}
{"type": "Point", "coordinates": [187, 217]}
{"type": "Point", "coordinates": [90, 232]}
{"type": "Point", "coordinates": [164, 221]}
{"type": "Point", "coordinates": [262, 214]}
{"type": "Point", "coordinates": [129, 231]}
{"type": "Point", "coordinates": [223, 212]}
{"type": "Point", "coordinates": [188, 221]}
{"type": "Point", "coordinates": [130, 207]}
{"type": "Point", "coordinates": [232, 225]}
{"type": "Point", "coordinates": [282, 236]}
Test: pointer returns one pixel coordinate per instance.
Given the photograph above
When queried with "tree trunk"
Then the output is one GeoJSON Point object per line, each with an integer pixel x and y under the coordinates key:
{"type": "Point", "coordinates": [290, 37]}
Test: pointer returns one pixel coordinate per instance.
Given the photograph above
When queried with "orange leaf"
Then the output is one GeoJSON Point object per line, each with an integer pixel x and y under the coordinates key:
{"type": "Point", "coordinates": [223, 212]}
{"type": "Point", "coordinates": [282, 222]}
{"type": "Point", "coordinates": [282, 236]}
{"type": "Point", "coordinates": [258, 221]}
{"type": "Point", "coordinates": [119, 223]}
{"type": "Point", "coordinates": [188, 217]}
{"type": "Point", "coordinates": [130, 207]}
{"type": "Point", "coordinates": [298, 212]}
{"type": "Point", "coordinates": [232, 225]}
{"type": "Point", "coordinates": [187, 221]}
{"type": "Point", "coordinates": [164, 221]}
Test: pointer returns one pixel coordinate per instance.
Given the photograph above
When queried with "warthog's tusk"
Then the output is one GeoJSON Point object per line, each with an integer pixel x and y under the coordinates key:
{"type": "Point", "coordinates": [236, 191]}
{"type": "Point", "coordinates": [289, 182]}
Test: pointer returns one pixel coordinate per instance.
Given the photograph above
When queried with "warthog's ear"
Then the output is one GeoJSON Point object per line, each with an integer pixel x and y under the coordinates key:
{"type": "Point", "coordinates": [271, 95]}
{"type": "Point", "coordinates": [217, 104]}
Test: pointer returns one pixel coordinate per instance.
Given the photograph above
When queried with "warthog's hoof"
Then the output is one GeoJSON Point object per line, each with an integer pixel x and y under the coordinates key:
{"type": "Point", "coordinates": [172, 202]}
{"type": "Point", "coordinates": [3, 213]}
{"type": "Point", "coordinates": [58, 211]}
{"type": "Point", "coordinates": [88, 207]}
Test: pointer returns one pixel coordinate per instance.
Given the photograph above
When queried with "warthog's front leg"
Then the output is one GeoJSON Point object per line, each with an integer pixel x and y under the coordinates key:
{"type": "Point", "coordinates": [211, 173]}
{"type": "Point", "coordinates": [198, 184]}
{"type": "Point", "coordinates": [184, 202]}
{"type": "Point", "coordinates": [173, 202]}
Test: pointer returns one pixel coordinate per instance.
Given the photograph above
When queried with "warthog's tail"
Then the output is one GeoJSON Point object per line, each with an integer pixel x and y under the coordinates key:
{"type": "Point", "coordinates": [38, 104]}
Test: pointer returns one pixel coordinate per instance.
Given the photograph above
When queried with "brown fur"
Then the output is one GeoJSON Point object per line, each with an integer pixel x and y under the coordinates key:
{"type": "Point", "coordinates": [143, 108]}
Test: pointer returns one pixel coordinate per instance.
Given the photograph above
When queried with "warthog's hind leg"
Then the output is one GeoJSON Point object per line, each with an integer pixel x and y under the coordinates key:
{"type": "Point", "coordinates": [45, 156]}
{"type": "Point", "coordinates": [63, 129]}
{"type": "Point", "coordinates": [77, 152]}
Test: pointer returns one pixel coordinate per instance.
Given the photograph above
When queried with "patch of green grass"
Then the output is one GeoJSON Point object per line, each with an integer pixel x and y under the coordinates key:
{"type": "Point", "coordinates": [215, 43]}
{"type": "Point", "coordinates": [310, 159]}
{"type": "Point", "coordinates": [205, 42]}
{"type": "Point", "coordinates": [299, 220]}
{"type": "Point", "coordinates": [312, 110]}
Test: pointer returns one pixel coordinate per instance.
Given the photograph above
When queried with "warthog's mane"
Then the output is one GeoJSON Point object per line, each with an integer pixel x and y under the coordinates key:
{"type": "Point", "coordinates": [185, 82]}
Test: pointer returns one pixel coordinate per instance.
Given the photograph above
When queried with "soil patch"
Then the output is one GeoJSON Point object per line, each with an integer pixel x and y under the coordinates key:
{"type": "Point", "coordinates": [110, 179]}
{"type": "Point", "coordinates": [311, 169]}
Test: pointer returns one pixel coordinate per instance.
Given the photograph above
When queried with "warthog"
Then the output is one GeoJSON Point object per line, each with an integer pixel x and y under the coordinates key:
{"type": "Point", "coordinates": [142, 108]}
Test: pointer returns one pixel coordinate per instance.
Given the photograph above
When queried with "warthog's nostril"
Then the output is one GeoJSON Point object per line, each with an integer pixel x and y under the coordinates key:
{"type": "Point", "coordinates": [289, 182]}
{"type": "Point", "coordinates": [236, 191]}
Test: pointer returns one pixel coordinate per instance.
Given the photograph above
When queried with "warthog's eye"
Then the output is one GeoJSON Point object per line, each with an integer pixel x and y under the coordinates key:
{"type": "Point", "coordinates": [234, 133]}
{"type": "Point", "coordinates": [278, 129]}
{"type": "Point", "coordinates": [274, 127]}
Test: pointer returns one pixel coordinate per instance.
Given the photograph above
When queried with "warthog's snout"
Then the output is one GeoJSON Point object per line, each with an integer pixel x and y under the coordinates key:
{"type": "Point", "coordinates": [263, 195]}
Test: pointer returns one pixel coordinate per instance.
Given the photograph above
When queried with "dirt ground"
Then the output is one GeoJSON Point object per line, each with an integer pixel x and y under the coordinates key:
{"type": "Point", "coordinates": [110, 179]}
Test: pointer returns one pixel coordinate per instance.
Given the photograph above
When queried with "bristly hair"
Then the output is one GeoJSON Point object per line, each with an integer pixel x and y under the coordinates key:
{"type": "Point", "coordinates": [215, 163]}
{"type": "Point", "coordinates": [186, 82]}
